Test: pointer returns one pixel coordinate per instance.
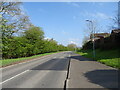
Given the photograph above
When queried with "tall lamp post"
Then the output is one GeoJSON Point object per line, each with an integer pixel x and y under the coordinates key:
{"type": "Point", "coordinates": [93, 38]}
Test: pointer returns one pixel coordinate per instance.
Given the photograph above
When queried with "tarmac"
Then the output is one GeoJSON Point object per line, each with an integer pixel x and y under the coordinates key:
{"type": "Point", "coordinates": [86, 73]}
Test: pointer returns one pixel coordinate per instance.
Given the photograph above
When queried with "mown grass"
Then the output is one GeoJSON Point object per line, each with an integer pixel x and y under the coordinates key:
{"type": "Point", "coordinates": [6, 62]}
{"type": "Point", "coordinates": [108, 57]}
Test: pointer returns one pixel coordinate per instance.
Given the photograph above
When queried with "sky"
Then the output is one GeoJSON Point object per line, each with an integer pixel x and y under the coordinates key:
{"type": "Point", "coordinates": [66, 23]}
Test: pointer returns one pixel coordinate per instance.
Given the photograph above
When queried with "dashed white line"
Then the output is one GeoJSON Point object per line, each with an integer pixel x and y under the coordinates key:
{"type": "Point", "coordinates": [14, 76]}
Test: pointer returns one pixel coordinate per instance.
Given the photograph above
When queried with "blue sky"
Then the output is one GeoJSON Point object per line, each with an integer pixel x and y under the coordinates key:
{"type": "Point", "coordinates": [65, 21]}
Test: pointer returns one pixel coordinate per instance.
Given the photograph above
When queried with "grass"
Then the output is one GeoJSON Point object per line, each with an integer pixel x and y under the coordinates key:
{"type": "Point", "coordinates": [6, 62]}
{"type": "Point", "coordinates": [108, 57]}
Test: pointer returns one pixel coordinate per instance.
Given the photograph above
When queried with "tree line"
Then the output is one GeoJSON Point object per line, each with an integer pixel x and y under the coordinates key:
{"type": "Point", "coordinates": [20, 38]}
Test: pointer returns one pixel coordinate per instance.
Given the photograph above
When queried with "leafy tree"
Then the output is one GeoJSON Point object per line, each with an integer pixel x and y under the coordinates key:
{"type": "Point", "coordinates": [71, 46]}
{"type": "Point", "coordinates": [35, 36]}
{"type": "Point", "coordinates": [34, 33]}
{"type": "Point", "coordinates": [13, 21]}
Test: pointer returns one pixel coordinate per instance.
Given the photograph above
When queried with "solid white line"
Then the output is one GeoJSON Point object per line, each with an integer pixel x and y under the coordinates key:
{"type": "Point", "coordinates": [14, 76]}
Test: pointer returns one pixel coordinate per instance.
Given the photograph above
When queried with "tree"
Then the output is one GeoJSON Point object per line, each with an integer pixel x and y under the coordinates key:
{"type": "Point", "coordinates": [13, 21]}
{"type": "Point", "coordinates": [62, 47]}
{"type": "Point", "coordinates": [35, 36]}
{"type": "Point", "coordinates": [116, 19]}
{"type": "Point", "coordinates": [72, 46]}
{"type": "Point", "coordinates": [85, 40]}
{"type": "Point", "coordinates": [34, 33]}
{"type": "Point", "coordinates": [12, 18]}
{"type": "Point", "coordinates": [51, 46]}
{"type": "Point", "coordinates": [92, 27]}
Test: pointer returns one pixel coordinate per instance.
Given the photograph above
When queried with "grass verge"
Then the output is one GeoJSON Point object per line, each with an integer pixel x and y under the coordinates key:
{"type": "Point", "coordinates": [108, 57]}
{"type": "Point", "coordinates": [7, 62]}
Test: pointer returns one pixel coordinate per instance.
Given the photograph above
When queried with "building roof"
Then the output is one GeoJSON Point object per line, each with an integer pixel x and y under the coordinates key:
{"type": "Point", "coordinates": [116, 31]}
{"type": "Point", "coordinates": [99, 35]}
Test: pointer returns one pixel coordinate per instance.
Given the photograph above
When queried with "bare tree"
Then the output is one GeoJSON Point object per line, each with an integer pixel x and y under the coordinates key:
{"type": "Point", "coordinates": [92, 26]}
{"type": "Point", "coordinates": [115, 22]}
{"type": "Point", "coordinates": [85, 39]}
{"type": "Point", "coordinates": [116, 19]}
{"type": "Point", "coordinates": [12, 18]}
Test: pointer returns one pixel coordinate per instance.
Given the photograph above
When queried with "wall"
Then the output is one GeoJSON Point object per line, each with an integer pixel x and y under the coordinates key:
{"type": "Point", "coordinates": [111, 42]}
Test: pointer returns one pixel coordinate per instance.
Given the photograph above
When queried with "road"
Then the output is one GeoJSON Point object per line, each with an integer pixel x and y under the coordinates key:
{"type": "Point", "coordinates": [61, 70]}
{"type": "Point", "coordinates": [47, 72]}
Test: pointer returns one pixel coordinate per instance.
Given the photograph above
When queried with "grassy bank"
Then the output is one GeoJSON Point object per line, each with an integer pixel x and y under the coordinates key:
{"type": "Point", "coordinates": [17, 60]}
{"type": "Point", "coordinates": [108, 57]}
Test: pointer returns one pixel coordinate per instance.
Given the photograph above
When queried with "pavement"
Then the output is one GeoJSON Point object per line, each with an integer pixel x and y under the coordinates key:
{"type": "Point", "coordinates": [86, 73]}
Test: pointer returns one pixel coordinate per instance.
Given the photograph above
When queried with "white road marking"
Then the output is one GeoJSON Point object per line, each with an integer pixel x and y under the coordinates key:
{"type": "Point", "coordinates": [69, 55]}
{"type": "Point", "coordinates": [67, 85]}
{"type": "Point", "coordinates": [14, 76]}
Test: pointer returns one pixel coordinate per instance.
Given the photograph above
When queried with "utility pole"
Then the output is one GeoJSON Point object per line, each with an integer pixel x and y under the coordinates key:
{"type": "Point", "coordinates": [93, 37]}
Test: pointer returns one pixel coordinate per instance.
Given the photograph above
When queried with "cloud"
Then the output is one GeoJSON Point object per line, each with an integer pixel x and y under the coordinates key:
{"type": "Point", "coordinates": [102, 15]}
{"type": "Point", "coordinates": [73, 4]}
{"type": "Point", "coordinates": [96, 15]}
{"type": "Point", "coordinates": [74, 41]}
{"type": "Point", "coordinates": [47, 38]}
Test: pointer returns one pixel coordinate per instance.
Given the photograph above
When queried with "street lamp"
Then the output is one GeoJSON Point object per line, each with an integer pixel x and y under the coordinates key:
{"type": "Point", "coordinates": [93, 38]}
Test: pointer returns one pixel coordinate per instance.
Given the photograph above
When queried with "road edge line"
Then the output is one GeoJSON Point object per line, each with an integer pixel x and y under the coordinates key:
{"type": "Point", "coordinates": [14, 76]}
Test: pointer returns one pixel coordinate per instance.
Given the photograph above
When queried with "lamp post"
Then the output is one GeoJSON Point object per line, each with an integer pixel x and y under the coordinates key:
{"type": "Point", "coordinates": [93, 38]}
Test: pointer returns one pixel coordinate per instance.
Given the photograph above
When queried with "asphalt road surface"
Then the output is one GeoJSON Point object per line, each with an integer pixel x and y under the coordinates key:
{"type": "Point", "coordinates": [61, 70]}
{"type": "Point", "coordinates": [46, 72]}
